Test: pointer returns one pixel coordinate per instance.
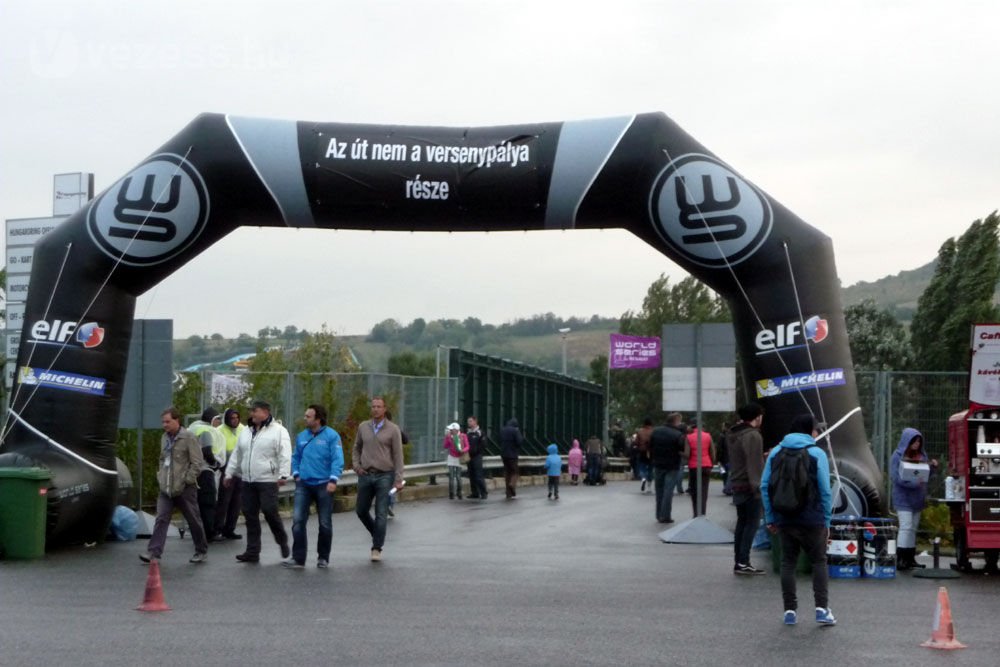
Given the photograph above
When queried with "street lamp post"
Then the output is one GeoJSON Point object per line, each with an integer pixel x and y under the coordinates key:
{"type": "Point", "coordinates": [563, 332]}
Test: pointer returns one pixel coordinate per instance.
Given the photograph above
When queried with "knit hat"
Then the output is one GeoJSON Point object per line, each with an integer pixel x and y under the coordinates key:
{"type": "Point", "coordinates": [209, 414]}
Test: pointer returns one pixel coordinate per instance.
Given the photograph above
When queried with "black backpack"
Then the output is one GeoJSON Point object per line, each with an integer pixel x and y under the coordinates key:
{"type": "Point", "coordinates": [790, 486]}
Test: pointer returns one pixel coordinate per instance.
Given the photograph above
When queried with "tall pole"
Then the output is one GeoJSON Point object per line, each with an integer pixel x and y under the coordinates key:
{"type": "Point", "coordinates": [563, 332]}
{"type": "Point", "coordinates": [699, 510]}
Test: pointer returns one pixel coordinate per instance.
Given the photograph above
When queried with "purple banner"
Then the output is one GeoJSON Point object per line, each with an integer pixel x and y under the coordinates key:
{"type": "Point", "coordinates": [633, 352]}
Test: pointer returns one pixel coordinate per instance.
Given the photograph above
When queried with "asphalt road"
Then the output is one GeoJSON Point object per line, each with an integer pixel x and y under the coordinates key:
{"type": "Point", "coordinates": [581, 581]}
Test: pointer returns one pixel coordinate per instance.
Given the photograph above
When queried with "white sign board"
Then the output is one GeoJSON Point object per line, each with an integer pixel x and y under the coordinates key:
{"type": "Point", "coordinates": [13, 340]}
{"type": "Point", "coordinates": [17, 288]}
{"type": "Point", "coordinates": [984, 376]}
{"type": "Point", "coordinates": [718, 389]}
{"type": "Point", "coordinates": [15, 316]}
{"type": "Point", "coordinates": [19, 260]}
{"type": "Point", "coordinates": [70, 192]}
{"type": "Point", "coordinates": [26, 231]}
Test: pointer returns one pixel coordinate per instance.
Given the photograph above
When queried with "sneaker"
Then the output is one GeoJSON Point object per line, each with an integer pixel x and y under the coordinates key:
{"type": "Point", "coordinates": [390, 512]}
{"type": "Point", "coordinates": [825, 616]}
{"type": "Point", "coordinates": [322, 563]}
{"type": "Point", "coordinates": [148, 557]}
{"type": "Point", "coordinates": [285, 550]}
{"type": "Point", "coordinates": [292, 564]}
{"type": "Point", "coordinates": [747, 569]}
{"type": "Point", "coordinates": [376, 555]}
{"type": "Point", "coordinates": [791, 618]}
{"type": "Point", "coordinates": [642, 488]}
{"type": "Point", "coordinates": [198, 558]}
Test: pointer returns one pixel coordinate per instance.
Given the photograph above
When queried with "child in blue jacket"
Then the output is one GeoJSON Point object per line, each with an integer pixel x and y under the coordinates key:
{"type": "Point", "coordinates": [553, 468]}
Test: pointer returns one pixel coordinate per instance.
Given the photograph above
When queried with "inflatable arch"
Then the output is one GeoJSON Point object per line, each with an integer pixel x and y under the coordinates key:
{"type": "Point", "coordinates": [642, 173]}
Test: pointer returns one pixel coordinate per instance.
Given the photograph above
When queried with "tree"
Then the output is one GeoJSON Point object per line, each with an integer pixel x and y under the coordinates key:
{"type": "Point", "coordinates": [410, 363]}
{"type": "Point", "coordinates": [959, 294]}
{"type": "Point", "coordinates": [878, 340]}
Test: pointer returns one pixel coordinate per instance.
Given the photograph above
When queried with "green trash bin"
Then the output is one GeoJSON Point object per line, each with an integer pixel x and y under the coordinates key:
{"type": "Point", "coordinates": [23, 511]}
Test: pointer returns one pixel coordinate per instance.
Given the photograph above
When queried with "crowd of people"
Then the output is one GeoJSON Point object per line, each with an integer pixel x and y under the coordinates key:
{"type": "Point", "coordinates": [787, 484]}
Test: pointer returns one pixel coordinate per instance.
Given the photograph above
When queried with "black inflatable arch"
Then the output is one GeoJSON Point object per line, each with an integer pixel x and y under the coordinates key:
{"type": "Point", "coordinates": [642, 173]}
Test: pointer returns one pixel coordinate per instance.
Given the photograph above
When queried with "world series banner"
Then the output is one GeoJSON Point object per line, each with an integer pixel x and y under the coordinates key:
{"type": "Point", "coordinates": [641, 172]}
{"type": "Point", "coordinates": [633, 352]}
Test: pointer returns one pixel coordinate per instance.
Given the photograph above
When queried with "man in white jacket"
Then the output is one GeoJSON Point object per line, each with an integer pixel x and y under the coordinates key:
{"type": "Point", "coordinates": [262, 460]}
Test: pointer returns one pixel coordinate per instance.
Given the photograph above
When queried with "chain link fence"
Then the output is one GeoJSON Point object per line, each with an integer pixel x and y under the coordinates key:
{"type": "Point", "coordinates": [422, 406]}
{"type": "Point", "coordinates": [894, 400]}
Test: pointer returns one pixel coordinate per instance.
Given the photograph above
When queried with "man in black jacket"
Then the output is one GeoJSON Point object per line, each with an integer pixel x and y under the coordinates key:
{"type": "Point", "coordinates": [665, 447]}
{"type": "Point", "coordinates": [477, 447]}
{"type": "Point", "coordinates": [746, 461]}
{"type": "Point", "coordinates": [510, 448]}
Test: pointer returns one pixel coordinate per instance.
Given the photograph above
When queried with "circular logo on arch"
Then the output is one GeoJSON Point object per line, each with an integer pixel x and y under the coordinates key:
{"type": "Point", "coordinates": [707, 212]}
{"type": "Point", "coordinates": [151, 215]}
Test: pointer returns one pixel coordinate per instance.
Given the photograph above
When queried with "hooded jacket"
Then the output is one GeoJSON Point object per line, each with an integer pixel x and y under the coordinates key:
{"type": "Point", "coordinates": [575, 458]}
{"type": "Point", "coordinates": [745, 448]}
{"type": "Point", "coordinates": [553, 462]}
{"type": "Point", "coordinates": [510, 440]}
{"type": "Point", "coordinates": [454, 455]}
{"type": "Point", "coordinates": [820, 509]}
{"type": "Point", "coordinates": [907, 494]}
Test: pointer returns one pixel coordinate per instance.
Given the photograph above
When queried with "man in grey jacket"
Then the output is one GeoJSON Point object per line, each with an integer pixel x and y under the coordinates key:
{"type": "Point", "coordinates": [262, 459]}
{"type": "Point", "coordinates": [180, 463]}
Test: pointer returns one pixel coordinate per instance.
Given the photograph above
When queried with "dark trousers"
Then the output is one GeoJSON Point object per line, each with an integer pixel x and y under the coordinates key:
{"type": "Point", "coordinates": [665, 478]}
{"type": "Point", "coordinates": [706, 476]}
{"type": "Point", "coordinates": [258, 498]}
{"type": "Point", "coordinates": [811, 540]}
{"type": "Point", "coordinates": [206, 500]}
{"type": "Point", "coordinates": [747, 522]}
{"type": "Point", "coordinates": [477, 479]}
{"type": "Point", "coordinates": [228, 506]}
{"type": "Point", "coordinates": [554, 485]}
{"type": "Point", "coordinates": [375, 486]}
{"type": "Point", "coordinates": [510, 475]}
{"type": "Point", "coordinates": [593, 468]}
{"type": "Point", "coordinates": [187, 503]}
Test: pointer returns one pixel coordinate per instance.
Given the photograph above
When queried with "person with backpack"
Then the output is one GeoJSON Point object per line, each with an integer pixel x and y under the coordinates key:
{"type": "Point", "coordinates": [798, 505]}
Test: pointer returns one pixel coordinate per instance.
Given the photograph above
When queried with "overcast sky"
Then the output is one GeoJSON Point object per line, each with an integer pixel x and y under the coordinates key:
{"type": "Point", "coordinates": [875, 122]}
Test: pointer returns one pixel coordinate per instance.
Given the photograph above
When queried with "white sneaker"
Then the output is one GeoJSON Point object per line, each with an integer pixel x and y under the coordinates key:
{"type": "Point", "coordinates": [376, 555]}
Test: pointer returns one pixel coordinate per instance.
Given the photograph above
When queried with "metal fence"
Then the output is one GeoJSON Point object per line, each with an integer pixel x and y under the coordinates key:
{"type": "Point", "coordinates": [894, 400]}
{"type": "Point", "coordinates": [422, 406]}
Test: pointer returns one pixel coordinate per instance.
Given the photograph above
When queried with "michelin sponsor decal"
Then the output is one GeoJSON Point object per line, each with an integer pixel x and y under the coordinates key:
{"type": "Point", "coordinates": [60, 380]}
{"type": "Point", "coordinates": [828, 377]}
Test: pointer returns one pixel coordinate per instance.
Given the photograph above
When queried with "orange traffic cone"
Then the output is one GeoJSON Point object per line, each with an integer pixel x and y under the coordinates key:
{"type": "Point", "coordinates": [943, 632]}
{"type": "Point", "coordinates": [153, 599]}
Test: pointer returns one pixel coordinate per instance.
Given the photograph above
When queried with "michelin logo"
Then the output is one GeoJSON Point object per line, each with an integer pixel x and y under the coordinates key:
{"type": "Point", "coordinates": [59, 380]}
{"type": "Point", "coordinates": [828, 377]}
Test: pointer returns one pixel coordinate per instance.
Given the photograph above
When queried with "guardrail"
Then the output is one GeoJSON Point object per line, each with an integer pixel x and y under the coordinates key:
{"type": "Point", "coordinates": [350, 478]}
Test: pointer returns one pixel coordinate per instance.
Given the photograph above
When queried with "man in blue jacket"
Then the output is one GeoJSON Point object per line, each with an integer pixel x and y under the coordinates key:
{"type": "Point", "coordinates": [317, 463]}
{"type": "Point", "coordinates": [807, 529]}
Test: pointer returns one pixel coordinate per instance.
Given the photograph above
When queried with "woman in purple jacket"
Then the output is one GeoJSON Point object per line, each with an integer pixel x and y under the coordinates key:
{"type": "Point", "coordinates": [909, 496]}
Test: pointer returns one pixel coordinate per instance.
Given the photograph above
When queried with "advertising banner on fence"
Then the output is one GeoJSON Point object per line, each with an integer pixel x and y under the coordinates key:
{"type": "Point", "coordinates": [634, 352]}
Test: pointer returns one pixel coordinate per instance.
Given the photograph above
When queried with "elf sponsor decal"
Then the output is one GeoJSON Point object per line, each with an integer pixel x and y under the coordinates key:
{"type": "Point", "coordinates": [828, 377]}
{"type": "Point", "coordinates": [39, 377]}
{"type": "Point", "coordinates": [58, 332]}
{"type": "Point", "coordinates": [790, 335]}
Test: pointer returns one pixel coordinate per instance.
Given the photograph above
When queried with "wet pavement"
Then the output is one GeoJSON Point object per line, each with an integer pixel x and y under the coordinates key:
{"type": "Point", "coordinates": [580, 581]}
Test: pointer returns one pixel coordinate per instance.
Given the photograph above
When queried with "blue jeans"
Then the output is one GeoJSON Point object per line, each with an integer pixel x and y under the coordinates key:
{"type": "Point", "coordinates": [747, 520]}
{"type": "Point", "coordinates": [593, 468]}
{"type": "Point", "coordinates": [665, 479]}
{"type": "Point", "coordinates": [645, 470]}
{"type": "Point", "coordinates": [375, 486]}
{"type": "Point", "coordinates": [305, 496]}
{"type": "Point", "coordinates": [455, 482]}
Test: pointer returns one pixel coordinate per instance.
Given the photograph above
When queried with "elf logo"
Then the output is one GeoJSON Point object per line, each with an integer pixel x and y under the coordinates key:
{"type": "Point", "coordinates": [789, 336]}
{"type": "Point", "coordinates": [59, 332]}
